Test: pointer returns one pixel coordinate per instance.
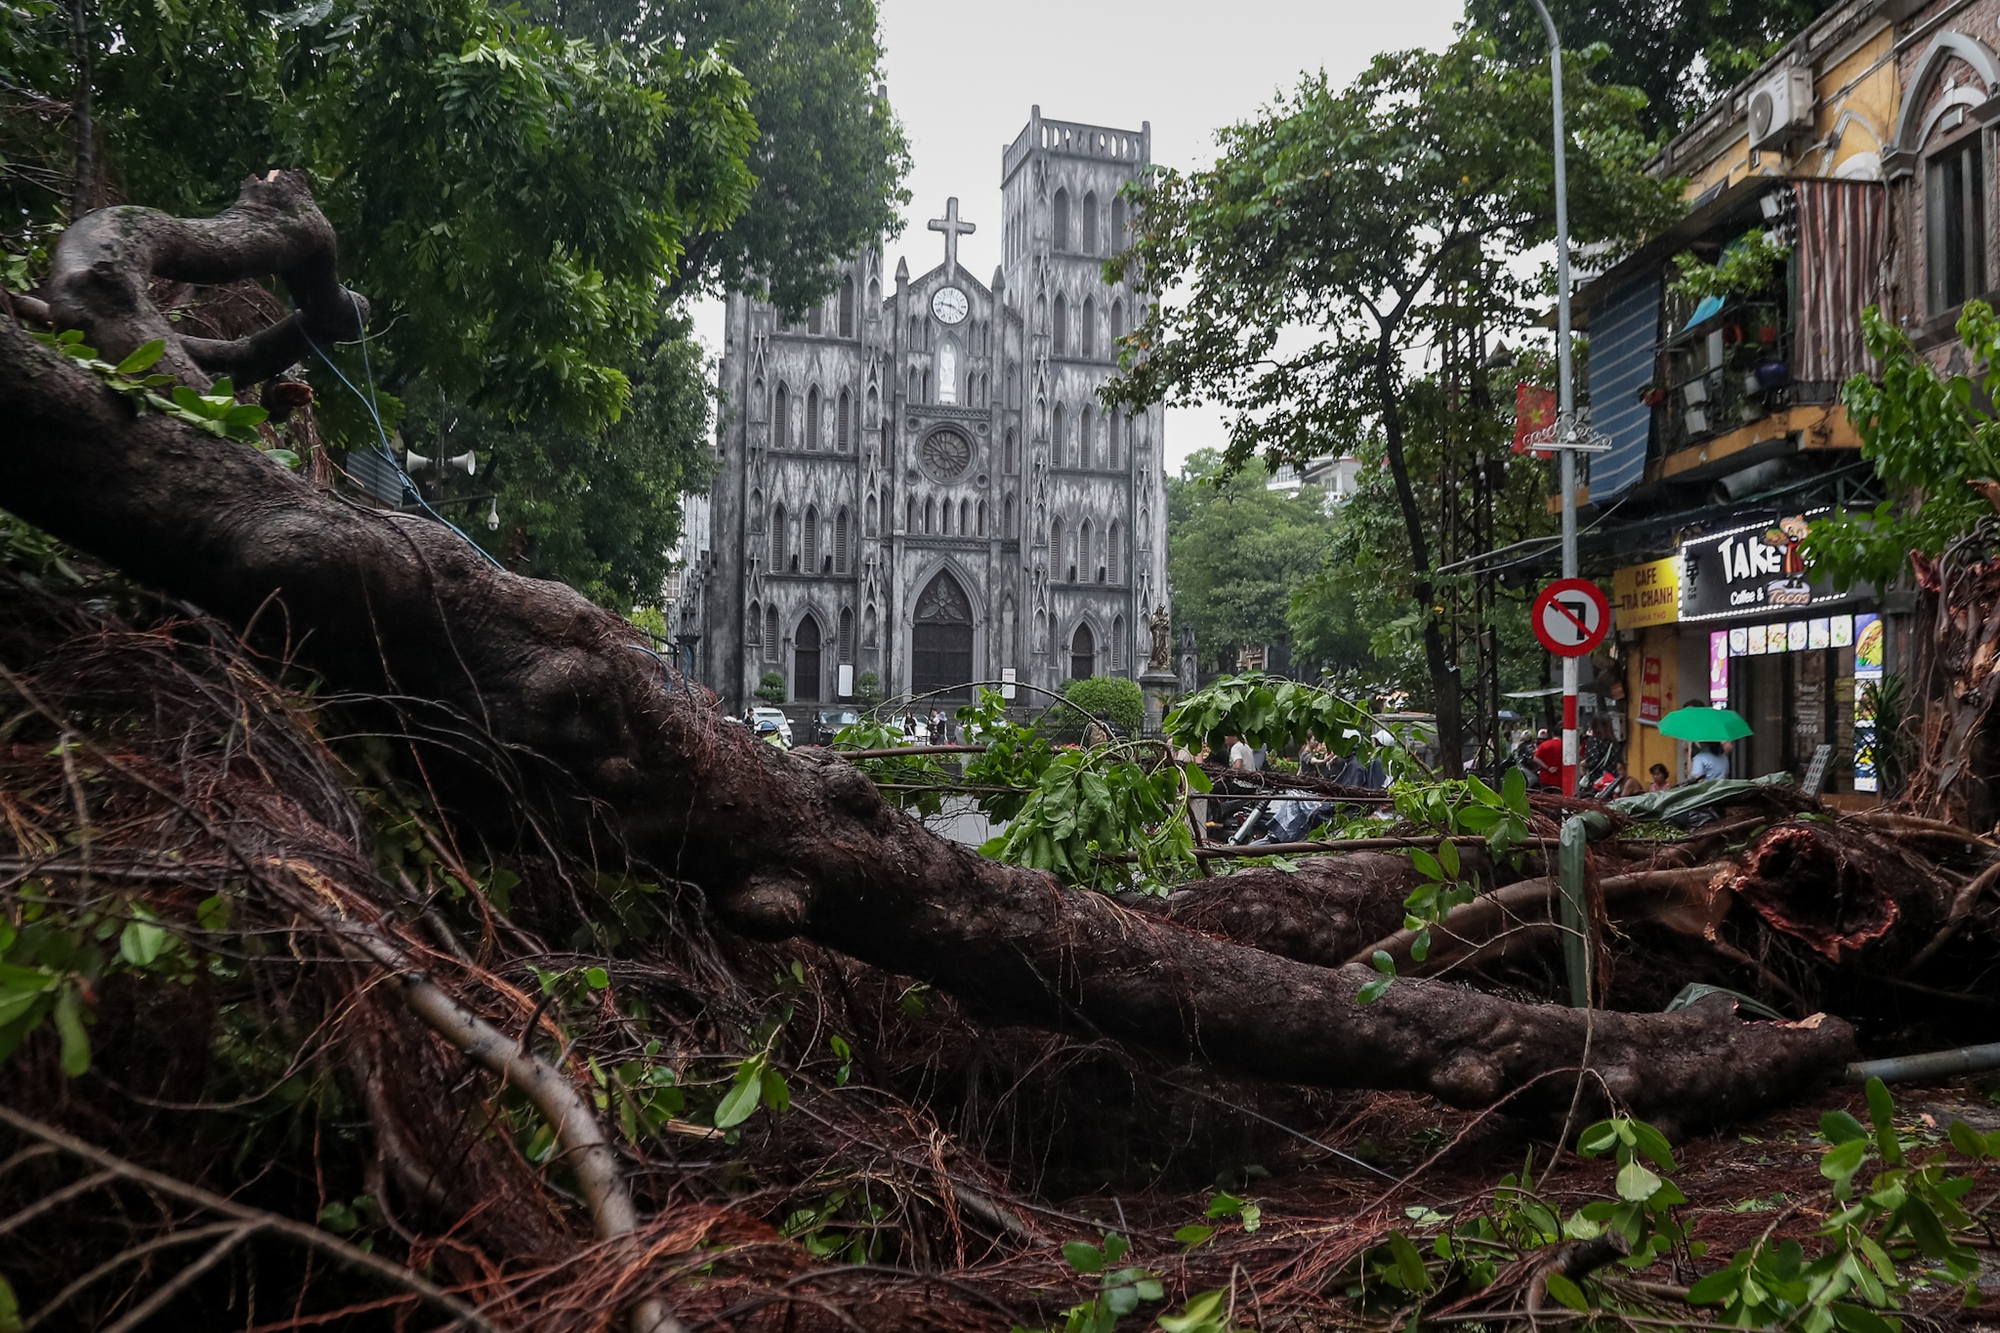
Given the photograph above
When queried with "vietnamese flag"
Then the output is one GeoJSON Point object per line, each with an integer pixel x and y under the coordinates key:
{"type": "Point", "coordinates": [1534, 410]}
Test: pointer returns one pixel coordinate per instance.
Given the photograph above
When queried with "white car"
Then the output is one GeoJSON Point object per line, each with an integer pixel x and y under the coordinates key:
{"type": "Point", "coordinates": [776, 715]}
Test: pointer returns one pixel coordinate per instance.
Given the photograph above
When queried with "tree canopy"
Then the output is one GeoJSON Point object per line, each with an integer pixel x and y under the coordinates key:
{"type": "Point", "coordinates": [1680, 53]}
{"type": "Point", "coordinates": [829, 156]}
{"type": "Point", "coordinates": [1345, 236]}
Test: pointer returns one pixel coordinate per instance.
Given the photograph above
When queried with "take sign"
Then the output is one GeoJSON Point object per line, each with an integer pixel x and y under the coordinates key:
{"type": "Point", "coordinates": [1571, 616]}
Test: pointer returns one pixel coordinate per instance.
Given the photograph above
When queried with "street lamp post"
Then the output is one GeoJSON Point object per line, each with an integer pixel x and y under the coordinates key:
{"type": "Point", "coordinates": [1567, 441]}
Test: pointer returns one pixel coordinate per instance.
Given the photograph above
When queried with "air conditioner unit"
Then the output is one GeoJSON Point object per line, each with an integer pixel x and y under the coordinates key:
{"type": "Point", "coordinates": [1781, 106]}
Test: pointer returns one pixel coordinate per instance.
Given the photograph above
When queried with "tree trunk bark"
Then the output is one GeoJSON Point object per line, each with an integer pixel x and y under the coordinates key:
{"type": "Point", "coordinates": [539, 710]}
{"type": "Point", "coordinates": [1443, 671]}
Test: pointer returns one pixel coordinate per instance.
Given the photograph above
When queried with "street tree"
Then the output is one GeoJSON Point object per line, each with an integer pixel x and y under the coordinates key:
{"type": "Point", "coordinates": [830, 156]}
{"type": "Point", "coordinates": [1236, 551]}
{"type": "Point", "coordinates": [1343, 234]}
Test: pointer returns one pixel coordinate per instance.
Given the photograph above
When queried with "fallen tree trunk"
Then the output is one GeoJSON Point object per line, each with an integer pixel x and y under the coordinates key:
{"type": "Point", "coordinates": [600, 743]}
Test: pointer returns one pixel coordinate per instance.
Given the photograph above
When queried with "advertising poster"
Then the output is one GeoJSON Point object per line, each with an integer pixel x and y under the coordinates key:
{"type": "Point", "coordinates": [1718, 668]}
{"type": "Point", "coordinates": [1649, 689]}
{"type": "Point", "coordinates": [1868, 658]}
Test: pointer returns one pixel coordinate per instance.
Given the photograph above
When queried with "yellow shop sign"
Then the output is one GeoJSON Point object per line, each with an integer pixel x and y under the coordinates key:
{"type": "Point", "coordinates": [1648, 594]}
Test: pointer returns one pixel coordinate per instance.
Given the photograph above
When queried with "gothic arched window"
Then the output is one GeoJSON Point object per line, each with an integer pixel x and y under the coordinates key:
{"type": "Point", "coordinates": [910, 515]}
{"type": "Point", "coordinates": [840, 542]}
{"type": "Point", "coordinates": [809, 540]}
{"type": "Point", "coordinates": [771, 644]}
{"type": "Point", "coordinates": [1117, 224]}
{"type": "Point", "coordinates": [1090, 223]}
{"type": "Point", "coordinates": [1085, 543]}
{"type": "Point", "coordinates": [781, 418]}
{"type": "Point", "coordinates": [753, 632]}
{"type": "Point", "coordinates": [816, 318]}
{"type": "Point", "coordinates": [930, 517]}
{"type": "Point", "coordinates": [913, 386]}
{"type": "Point", "coordinates": [846, 645]}
{"type": "Point", "coordinates": [1117, 642]}
{"type": "Point", "coordinates": [1088, 324]}
{"type": "Point", "coordinates": [1117, 326]}
{"type": "Point", "coordinates": [1012, 517]}
{"type": "Point", "coordinates": [874, 517]}
{"type": "Point", "coordinates": [964, 514]}
{"type": "Point", "coordinates": [777, 539]}
{"type": "Point", "coordinates": [1059, 221]}
{"type": "Point", "coordinates": [874, 407]}
{"type": "Point", "coordinates": [847, 307]}
{"type": "Point", "coordinates": [1082, 654]}
{"type": "Point", "coordinates": [1058, 436]}
{"type": "Point", "coordinates": [1084, 442]}
{"type": "Point", "coordinates": [841, 438]}
{"type": "Point", "coordinates": [982, 519]}
{"type": "Point", "coordinates": [1056, 549]}
{"type": "Point", "coordinates": [812, 417]}
{"type": "Point", "coordinates": [805, 661]}
{"type": "Point", "coordinates": [1059, 331]}
{"type": "Point", "coordinates": [1013, 451]}
{"type": "Point", "coordinates": [1112, 552]}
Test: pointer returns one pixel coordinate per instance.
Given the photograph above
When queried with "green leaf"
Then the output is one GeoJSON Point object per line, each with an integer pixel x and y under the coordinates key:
{"type": "Point", "coordinates": [1654, 1144]}
{"type": "Point", "coordinates": [1967, 1140]}
{"type": "Point", "coordinates": [69, 1024]}
{"type": "Point", "coordinates": [1083, 1256]}
{"type": "Point", "coordinates": [1635, 1182]}
{"type": "Point", "coordinates": [141, 941]}
{"type": "Point", "coordinates": [597, 977]}
{"type": "Point", "coordinates": [1856, 1319]}
{"type": "Point", "coordinates": [1716, 1287]}
{"type": "Point", "coordinates": [738, 1104]}
{"type": "Point", "coordinates": [1409, 1264]}
{"type": "Point", "coordinates": [10, 1308]}
{"type": "Point", "coordinates": [1599, 1138]}
{"type": "Point", "coordinates": [1881, 1112]}
{"type": "Point", "coordinates": [1192, 1235]}
{"type": "Point", "coordinates": [142, 358]}
{"type": "Point", "coordinates": [1122, 1301]}
{"type": "Point", "coordinates": [1565, 1291]}
{"type": "Point", "coordinates": [777, 1093]}
{"type": "Point", "coordinates": [244, 414]}
{"type": "Point", "coordinates": [1840, 1127]}
{"type": "Point", "coordinates": [1374, 990]}
{"type": "Point", "coordinates": [1149, 1289]}
{"type": "Point", "coordinates": [1426, 864]}
{"type": "Point", "coordinates": [213, 913]}
{"type": "Point", "coordinates": [1207, 1312]}
{"type": "Point", "coordinates": [1514, 791]}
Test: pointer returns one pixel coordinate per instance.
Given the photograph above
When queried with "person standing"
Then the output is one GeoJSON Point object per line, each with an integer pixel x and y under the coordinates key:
{"type": "Point", "coordinates": [1709, 762]}
{"type": "Point", "coordinates": [1241, 757]}
{"type": "Point", "coordinates": [1549, 759]}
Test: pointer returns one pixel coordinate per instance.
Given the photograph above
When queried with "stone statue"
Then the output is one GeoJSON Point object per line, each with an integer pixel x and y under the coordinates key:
{"type": "Point", "coordinates": [1163, 641]}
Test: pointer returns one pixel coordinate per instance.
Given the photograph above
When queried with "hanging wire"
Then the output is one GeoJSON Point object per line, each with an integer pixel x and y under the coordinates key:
{"type": "Point", "coordinates": [410, 490]}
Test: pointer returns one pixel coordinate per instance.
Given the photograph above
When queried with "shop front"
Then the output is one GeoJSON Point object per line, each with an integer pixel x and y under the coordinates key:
{"type": "Point", "coordinates": [1789, 652]}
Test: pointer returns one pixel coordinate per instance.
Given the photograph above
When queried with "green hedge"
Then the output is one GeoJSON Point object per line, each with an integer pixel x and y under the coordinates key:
{"type": "Point", "coordinates": [1111, 694]}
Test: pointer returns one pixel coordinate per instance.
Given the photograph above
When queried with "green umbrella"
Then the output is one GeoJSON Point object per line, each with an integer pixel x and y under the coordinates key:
{"type": "Point", "coordinates": [1704, 724]}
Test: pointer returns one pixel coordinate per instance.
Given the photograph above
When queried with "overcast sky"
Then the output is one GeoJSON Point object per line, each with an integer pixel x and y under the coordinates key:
{"type": "Point", "coordinates": [963, 76]}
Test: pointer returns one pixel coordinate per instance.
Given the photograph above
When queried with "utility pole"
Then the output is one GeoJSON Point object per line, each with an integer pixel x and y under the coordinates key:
{"type": "Point", "coordinates": [1567, 439]}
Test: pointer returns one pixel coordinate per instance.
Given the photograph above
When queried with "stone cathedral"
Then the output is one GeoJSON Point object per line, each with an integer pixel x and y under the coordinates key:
{"type": "Point", "coordinates": [918, 479]}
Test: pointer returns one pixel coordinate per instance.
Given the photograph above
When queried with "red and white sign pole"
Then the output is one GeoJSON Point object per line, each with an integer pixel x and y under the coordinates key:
{"type": "Point", "coordinates": [1571, 617]}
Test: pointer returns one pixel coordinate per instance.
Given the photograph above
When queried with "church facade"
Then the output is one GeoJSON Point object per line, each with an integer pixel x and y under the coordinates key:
{"type": "Point", "coordinates": [918, 480]}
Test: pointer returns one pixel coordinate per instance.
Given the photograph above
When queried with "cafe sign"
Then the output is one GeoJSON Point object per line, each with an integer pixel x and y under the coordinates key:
{"type": "Point", "coordinates": [1752, 570]}
{"type": "Point", "coordinates": [1648, 594]}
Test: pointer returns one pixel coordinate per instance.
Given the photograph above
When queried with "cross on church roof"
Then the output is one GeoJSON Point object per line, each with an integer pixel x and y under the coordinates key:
{"type": "Point", "coordinates": [952, 229]}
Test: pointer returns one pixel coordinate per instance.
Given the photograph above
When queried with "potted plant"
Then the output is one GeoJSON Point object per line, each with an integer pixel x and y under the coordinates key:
{"type": "Point", "coordinates": [1652, 395]}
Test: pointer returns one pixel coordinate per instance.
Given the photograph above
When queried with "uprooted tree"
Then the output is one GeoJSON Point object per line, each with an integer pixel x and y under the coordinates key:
{"type": "Point", "coordinates": [291, 774]}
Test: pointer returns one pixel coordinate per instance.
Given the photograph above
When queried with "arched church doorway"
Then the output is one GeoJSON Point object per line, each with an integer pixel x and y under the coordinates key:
{"type": "Point", "coordinates": [805, 662]}
{"type": "Point", "coordinates": [941, 641]}
{"type": "Point", "coordinates": [1082, 654]}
